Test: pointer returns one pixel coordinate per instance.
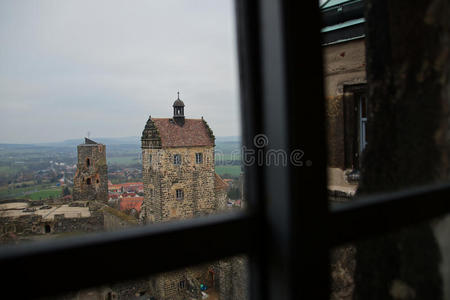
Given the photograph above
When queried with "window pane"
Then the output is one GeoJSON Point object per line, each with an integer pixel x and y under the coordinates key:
{"type": "Point", "coordinates": [413, 263]}
{"type": "Point", "coordinates": [153, 88]}
{"type": "Point", "coordinates": [223, 279]}
{"type": "Point", "coordinates": [387, 131]}
{"type": "Point", "coordinates": [99, 70]}
{"type": "Point", "coordinates": [387, 128]}
{"type": "Point", "coordinates": [345, 89]}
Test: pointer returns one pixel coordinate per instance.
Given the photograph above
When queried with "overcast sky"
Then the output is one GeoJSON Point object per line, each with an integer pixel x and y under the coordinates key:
{"type": "Point", "coordinates": [69, 67]}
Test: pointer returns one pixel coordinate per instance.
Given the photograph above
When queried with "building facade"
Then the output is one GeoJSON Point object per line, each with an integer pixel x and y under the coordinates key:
{"type": "Point", "coordinates": [180, 182]}
{"type": "Point", "coordinates": [178, 168]}
{"type": "Point", "coordinates": [344, 59]}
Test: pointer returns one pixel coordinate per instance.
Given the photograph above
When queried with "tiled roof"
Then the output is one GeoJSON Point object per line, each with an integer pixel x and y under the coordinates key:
{"type": "Point", "coordinates": [126, 184]}
{"type": "Point", "coordinates": [114, 187]}
{"type": "Point", "coordinates": [125, 195]}
{"type": "Point", "coordinates": [194, 132]}
{"type": "Point", "coordinates": [131, 184]}
{"type": "Point", "coordinates": [219, 184]}
{"type": "Point", "coordinates": [131, 202]}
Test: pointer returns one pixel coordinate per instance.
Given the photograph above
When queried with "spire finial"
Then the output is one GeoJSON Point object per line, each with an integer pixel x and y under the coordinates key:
{"type": "Point", "coordinates": [178, 94]}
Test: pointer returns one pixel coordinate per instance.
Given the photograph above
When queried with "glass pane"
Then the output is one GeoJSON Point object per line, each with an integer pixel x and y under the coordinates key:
{"type": "Point", "coordinates": [115, 115]}
{"type": "Point", "coordinates": [388, 133]}
{"type": "Point", "coordinates": [118, 117]}
{"type": "Point", "coordinates": [387, 128]}
{"type": "Point", "coordinates": [345, 89]}
{"type": "Point", "coordinates": [413, 263]}
{"type": "Point", "coordinates": [223, 279]}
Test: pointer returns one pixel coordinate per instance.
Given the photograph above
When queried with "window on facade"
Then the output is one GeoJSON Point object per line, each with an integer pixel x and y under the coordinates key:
{"type": "Point", "coordinates": [182, 284]}
{"type": "Point", "coordinates": [355, 124]}
{"type": "Point", "coordinates": [177, 159]}
{"type": "Point", "coordinates": [88, 181]}
{"type": "Point", "coordinates": [88, 162]}
{"type": "Point", "coordinates": [149, 158]}
{"type": "Point", "coordinates": [198, 158]}
{"type": "Point", "coordinates": [179, 194]}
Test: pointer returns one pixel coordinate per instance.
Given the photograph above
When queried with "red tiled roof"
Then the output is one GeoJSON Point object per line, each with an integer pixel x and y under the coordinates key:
{"type": "Point", "coordinates": [131, 184]}
{"type": "Point", "coordinates": [126, 195]}
{"type": "Point", "coordinates": [127, 184]}
{"type": "Point", "coordinates": [114, 186]}
{"type": "Point", "coordinates": [193, 133]}
{"type": "Point", "coordinates": [131, 202]}
{"type": "Point", "coordinates": [219, 184]}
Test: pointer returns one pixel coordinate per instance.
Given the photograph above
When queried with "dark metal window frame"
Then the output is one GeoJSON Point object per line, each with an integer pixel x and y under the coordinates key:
{"type": "Point", "coordinates": [177, 159]}
{"type": "Point", "coordinates": [352, 124]}
{"type": "Point", "coordinates": [199, 158]}
{"type": "Point", "coordinates": [179, 194]}
{"type": "Point", "coordinates": [286, 236]}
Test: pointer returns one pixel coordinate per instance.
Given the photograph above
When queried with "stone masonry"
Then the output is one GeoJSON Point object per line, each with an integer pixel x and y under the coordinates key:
{"type": "Point", "coordinates": [91, 179]}
{"type": "Point", "coordinates": [180, 183]}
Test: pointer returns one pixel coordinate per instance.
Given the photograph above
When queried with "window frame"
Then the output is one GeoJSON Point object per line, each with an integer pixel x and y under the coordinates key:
{"type": "Point", "coordinates": [287, 241]}
{"type": "Point", "coordinates": [179, 194]}
{"type": "Point", "coordinates": [177, 159]}
{"type": "Point", "coordinates": [352, 124]}
{"type": "Point", "coordinates": [199, 158]}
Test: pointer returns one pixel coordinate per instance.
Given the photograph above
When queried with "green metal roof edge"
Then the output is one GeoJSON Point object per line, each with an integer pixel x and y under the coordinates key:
{"type": "Point", "coordinates": [332, 3]}
{"type": "Point", "coordinates": [343, 25]}
{"type": "Point", "coordinates": [345, 40]}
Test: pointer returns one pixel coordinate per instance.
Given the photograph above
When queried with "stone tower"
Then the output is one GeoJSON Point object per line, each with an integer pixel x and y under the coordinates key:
{"type": "Point", "coordinates": [178, 168]}
{"type": "Point", "coordinates": [91, 178]}
{"type": "Point", "coordinates": [180, 183]}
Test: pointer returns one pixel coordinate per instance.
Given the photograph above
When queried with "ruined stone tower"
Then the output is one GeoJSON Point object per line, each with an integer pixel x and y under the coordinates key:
{"type": "Point", "coordinates": [91, 178]}
{"type": "Point", "coordinates": [178, 168]}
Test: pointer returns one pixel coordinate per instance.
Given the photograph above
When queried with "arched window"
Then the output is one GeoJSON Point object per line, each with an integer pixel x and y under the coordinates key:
{"type": "Point", "coordinates": [88, 162]}
{"type": "Point", "coordinates": [88, 181]}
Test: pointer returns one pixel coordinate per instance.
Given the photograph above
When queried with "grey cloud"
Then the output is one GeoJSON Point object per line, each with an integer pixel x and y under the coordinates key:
{"type": "Point", "coordinates": [72, 66]}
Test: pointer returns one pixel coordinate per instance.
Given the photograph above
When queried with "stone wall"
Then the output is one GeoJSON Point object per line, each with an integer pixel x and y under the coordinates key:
{"type": "Point", "coordinates": [344, 65]}
{"type": "Point", "coordinates": [61, 224]}
{"type": "Point", "coordinates": [233, 278]}
{"type": "Point", "coordinates": [91, 177]}
{"type": "Point", "coordinates": [34, 224]}
{"type": "Point", "coordinates": [162, 178]}
{"type": "Point", "coordinates": [115, 219]}
{"type": "Point", "coordinates": [23, 225]}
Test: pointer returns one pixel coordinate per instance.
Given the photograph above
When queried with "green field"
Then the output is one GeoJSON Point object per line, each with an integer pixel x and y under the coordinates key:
{"type": "Point", "coordinates": [234, 171]}
{"type": "Point", "coordinates": [30, 192]}
{"type": "Point", "coordinates": [44, 194]}
{"type": "Point", "coordinates": [11, 170]}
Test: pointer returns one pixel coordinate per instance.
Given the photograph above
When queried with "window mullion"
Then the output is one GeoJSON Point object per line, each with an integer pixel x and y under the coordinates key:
{"type": "Point", "coordinates": [380, 214]}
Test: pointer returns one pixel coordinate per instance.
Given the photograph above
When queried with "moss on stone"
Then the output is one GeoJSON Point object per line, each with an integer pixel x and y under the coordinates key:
{"type": "Point", "coordinates": [123, 216]}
